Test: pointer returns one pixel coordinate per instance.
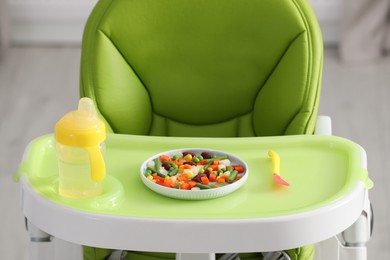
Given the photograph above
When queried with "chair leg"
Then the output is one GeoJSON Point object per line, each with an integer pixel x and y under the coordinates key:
{"type": "Point", "coordinates": [335, 249]}
{"type": "Point", "coordinates": [357, 235]}
{"type": "Point", "coordinates": [350, 244]}
{"type": "Point", "coordinates": [41, 247]}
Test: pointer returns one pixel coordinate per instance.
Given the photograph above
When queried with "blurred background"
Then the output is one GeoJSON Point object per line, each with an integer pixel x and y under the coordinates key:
{"type": "Point", "coordinates": [39, 73]}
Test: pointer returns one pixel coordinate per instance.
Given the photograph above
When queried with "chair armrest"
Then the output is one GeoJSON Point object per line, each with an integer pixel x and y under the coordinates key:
{"type": "Point", "coordinates": [323, 126]}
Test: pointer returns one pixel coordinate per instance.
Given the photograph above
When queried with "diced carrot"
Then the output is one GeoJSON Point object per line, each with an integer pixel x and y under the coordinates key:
{"type": "Point", "coordinates": [169, 182]}
{"type": "Point", "coordinates": [203, 162]}
{"type": "Point", "coordinates": [224, 176]}
{"type": "Point", "coordinates": [238, 168]}
{"type": "Point", "coordinates": [185, 186]}
{"type": "Point", "coordinates": [187, 166]}
{"type": "Point", "coordinates": [192, 183]}
{"type": "Point", "coordinates": [165, 158]}
{"type": "Point", "coordinates": [222, 179]}
{"type": "Point", "coordinates": [162, 183]}
{"type": "Point", "coordinates": [156, 177]}
{"type": "Point", "coordinates": [204, 180]}
{"type": "Point", "coordinates": [212, 177]}
{"type": "Point", "coordinates": [182, 177]}
{"type": "Point", "coordinates": [178, 163]}
{"type": "Point", "coordinates": [214, 167]}
{"type": "Point", "coordinates": [215, 162]}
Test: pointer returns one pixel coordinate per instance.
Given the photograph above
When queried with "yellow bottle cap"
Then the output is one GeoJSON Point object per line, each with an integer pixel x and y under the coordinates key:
{"type": "Point", "coordinates": [82, 127]}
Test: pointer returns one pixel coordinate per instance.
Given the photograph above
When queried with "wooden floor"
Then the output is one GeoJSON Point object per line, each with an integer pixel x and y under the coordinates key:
{"type": "Point", "coordinates": [38, 85]}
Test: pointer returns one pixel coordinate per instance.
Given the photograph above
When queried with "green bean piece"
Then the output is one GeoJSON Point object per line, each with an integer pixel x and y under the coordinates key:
{"type": "Point", "coordinates": [157, 164]}
{"type": "Point", "coordinates": [223, 157]}
{"type": "Point", "coordinates": [208, 165]}
{"type": "Point", "coordinates": [148, 172]}
{"type": "Point", "coordinates": [161, 175]}
{"type": "Point", "coordinates": [220, 184]}
{"type": "Point", "coordinates": [230, 168]}
{"type": "Point", "coordinates": [173, 171]}
{"type": "Point", "coordinates": [202, 186]}
{"type": "Point", "coordinates": [232, 176]}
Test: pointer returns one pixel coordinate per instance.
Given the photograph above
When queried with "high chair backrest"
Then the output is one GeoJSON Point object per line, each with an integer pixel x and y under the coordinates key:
{"type": "Point", "coordinates": [228, 68]}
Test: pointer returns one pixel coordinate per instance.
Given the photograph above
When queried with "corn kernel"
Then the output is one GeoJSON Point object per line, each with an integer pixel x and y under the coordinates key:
{"type": "Point", "coordinates": [189, 175]}
{"type": "Point", "coordinates": [188, 157]}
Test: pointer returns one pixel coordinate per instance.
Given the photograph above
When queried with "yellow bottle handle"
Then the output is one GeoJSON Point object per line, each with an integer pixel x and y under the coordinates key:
{"type": "Point", "coordinates": [98, 168]}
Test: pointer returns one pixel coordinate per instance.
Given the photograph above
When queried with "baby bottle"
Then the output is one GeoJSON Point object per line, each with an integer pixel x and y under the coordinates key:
{"type": "Point", "coordinates": [80, 146]}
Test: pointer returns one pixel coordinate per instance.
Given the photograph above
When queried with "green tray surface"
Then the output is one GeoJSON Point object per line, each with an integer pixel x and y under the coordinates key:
{"type": "Point", "coordinates": [320, 170]}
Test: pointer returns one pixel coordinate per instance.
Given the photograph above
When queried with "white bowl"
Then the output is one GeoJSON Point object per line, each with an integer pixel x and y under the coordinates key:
{"type": "Point", "coordinates": [195, 194]}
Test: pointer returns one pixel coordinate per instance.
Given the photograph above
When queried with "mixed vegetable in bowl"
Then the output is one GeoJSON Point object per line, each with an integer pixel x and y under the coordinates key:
{"type": "Point", "coordinates": [193, 171]}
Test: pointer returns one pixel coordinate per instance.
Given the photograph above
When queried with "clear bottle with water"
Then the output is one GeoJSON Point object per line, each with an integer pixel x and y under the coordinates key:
{"type": "Point", "coordinates": [80, 147]}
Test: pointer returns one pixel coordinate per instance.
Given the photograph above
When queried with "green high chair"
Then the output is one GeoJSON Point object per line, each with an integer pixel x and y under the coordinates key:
{"type": "Point", "coordinates": [232, 68]}
{"type": "Point", "coordinates": [196, 68]}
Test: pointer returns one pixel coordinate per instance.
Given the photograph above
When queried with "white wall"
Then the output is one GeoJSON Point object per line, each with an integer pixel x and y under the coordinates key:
{"type": "Point", "coordinates": [329, 13]}
{"type": "Point", "coordinates": [62, 21]}
{"type": "Point", "coordinates": [48, 21]}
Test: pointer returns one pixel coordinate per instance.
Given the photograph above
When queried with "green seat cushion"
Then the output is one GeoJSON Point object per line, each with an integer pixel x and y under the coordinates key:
{"type": "Point", "coordinates": [203, 68]}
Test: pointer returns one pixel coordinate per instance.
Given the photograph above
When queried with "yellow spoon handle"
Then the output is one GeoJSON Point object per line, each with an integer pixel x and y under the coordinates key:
{"type": "Point", "coordinates": [275, 160]}
{"type": "Point", "coordinates": [98, 168]}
